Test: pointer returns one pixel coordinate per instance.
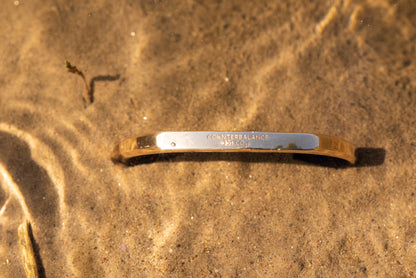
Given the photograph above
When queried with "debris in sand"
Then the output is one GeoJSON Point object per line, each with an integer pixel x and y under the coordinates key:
{"type": "Point", "coordinates": [26, 248]}
{"type": "Point", "coordinates": [88, 97]}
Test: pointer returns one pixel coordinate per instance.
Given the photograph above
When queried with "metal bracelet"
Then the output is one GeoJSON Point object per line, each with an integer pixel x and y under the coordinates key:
{"type": "Point", "coordinates": [221, 141]}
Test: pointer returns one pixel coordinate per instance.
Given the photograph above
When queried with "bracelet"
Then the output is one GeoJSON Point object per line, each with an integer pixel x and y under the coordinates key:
{"type": "Point", "coordinates": [220, 141]}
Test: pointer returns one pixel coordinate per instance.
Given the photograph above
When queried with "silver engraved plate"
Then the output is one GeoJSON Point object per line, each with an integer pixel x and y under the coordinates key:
{"type": "Point", "coordinates": [236, 140]}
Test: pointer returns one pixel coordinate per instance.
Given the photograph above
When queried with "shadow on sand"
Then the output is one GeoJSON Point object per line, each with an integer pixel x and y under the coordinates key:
{"type": "Point", "coordinates": [366, 157]}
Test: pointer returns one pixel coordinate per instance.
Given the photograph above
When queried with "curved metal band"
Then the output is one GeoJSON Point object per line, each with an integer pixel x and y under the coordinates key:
{"type": "Point", "coordinates": [220, 141]}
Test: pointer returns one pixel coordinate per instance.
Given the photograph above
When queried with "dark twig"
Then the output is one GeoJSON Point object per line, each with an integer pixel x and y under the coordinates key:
{"type": "Point", "coordinates": [87, 98]}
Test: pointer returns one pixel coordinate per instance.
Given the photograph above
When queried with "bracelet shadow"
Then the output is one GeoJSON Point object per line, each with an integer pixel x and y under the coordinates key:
{"type": "Point", "coordinates": [366, 157]}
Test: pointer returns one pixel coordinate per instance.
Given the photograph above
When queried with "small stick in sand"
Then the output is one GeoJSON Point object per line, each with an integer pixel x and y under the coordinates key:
{"type": "Point", "coordinates": [87, 98]}
{"type": "Point", "coordinates": [26, 248]}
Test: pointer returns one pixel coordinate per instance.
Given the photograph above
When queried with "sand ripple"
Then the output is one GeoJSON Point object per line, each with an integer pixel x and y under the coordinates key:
{"type": "Point", "coordinates": [339, 67]}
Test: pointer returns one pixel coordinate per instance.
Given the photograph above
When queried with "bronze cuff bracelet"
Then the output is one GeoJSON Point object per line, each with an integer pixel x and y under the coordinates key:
{"type": "Point", "coordinates": [220, 141]}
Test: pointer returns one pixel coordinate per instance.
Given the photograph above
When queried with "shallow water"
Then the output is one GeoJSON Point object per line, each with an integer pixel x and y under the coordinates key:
{"type": "Point", "coordinates": [342, 68]}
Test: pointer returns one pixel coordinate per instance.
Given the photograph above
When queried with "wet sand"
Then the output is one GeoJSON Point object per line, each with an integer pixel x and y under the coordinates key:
{"type": "Point", "coordinates": [342, 68]}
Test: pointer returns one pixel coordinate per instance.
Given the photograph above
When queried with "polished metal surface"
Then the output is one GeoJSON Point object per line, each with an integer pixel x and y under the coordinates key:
{"type": "Point", "coordinates": [236, 140]}
{"type": "Point", "coordinates": [220, 141]}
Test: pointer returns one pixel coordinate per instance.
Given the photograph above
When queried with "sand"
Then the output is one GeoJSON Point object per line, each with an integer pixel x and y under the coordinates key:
{"type": "Point", "coordinates": [342, 68]}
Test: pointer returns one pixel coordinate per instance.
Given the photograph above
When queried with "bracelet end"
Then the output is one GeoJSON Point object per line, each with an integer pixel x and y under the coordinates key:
{"type": "Point", "coordinates": [115, 155]}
